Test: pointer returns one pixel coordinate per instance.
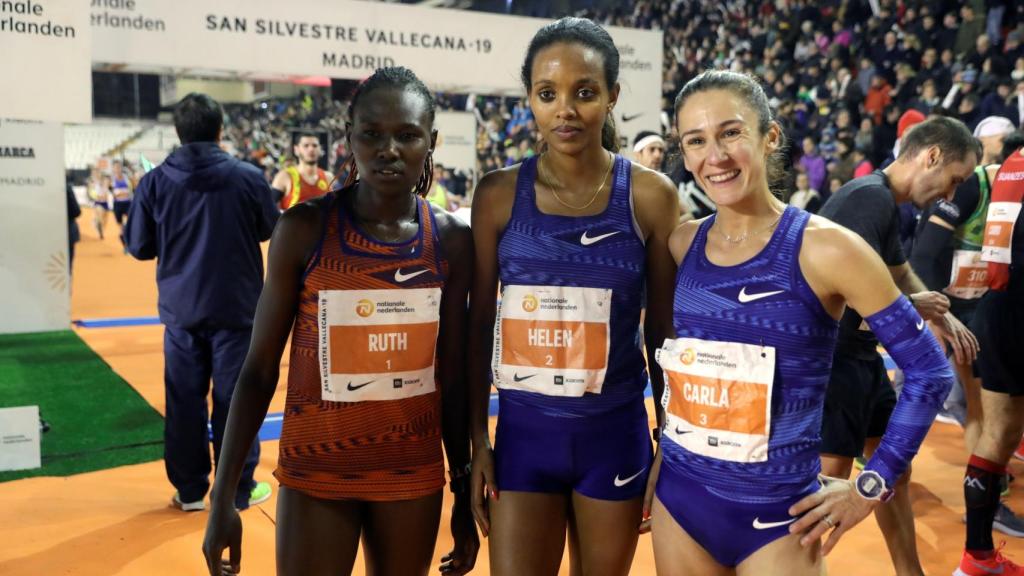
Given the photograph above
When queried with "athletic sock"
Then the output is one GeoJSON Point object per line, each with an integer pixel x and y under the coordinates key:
{"type": "Point", "coordinates": [981, 495]}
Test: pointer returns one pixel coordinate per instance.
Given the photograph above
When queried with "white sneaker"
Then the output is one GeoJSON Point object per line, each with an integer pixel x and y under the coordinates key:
{"type": "Point", "coordinates": [196, 506]}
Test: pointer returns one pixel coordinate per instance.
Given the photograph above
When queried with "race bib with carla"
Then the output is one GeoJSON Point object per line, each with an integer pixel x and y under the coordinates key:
{"type": "Point", "coordinates": [378, 344]}
{"type": "Point", "coordinates": [969, 275]}
{"type": "Point", "coordinates": [718, 397]}
{"type": "Point", "coordinates": [552, 340]}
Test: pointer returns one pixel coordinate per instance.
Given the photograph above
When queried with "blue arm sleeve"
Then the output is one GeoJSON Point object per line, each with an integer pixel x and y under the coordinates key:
{"type": "Point", "coordinates": [928, 378]}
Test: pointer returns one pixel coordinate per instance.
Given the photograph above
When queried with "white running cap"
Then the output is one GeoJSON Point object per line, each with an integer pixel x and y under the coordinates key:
{"type": "Point", "coordinates": [993, 126]}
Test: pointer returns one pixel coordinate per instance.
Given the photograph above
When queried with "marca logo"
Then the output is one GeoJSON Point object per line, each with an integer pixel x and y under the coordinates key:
{"type": "Point", "coordinates": [688, 356]}
{"type": "Point", "coordinates": [364, 308]}
{"type": "Point", "coordinates": [17, 152]}
{"type": "Point", "coordinates": [529, 303]}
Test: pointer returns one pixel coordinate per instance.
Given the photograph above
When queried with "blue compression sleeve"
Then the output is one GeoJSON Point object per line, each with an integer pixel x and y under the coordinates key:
{"type": "Point", "coordinates": [928, 378]}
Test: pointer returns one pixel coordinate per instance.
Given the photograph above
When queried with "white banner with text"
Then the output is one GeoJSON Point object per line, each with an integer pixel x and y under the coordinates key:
{"type": "Point", "coordinates": [34, 281]}
{"type": "Point", "coordinates": [451, 50]}
{"type": "Point", "coordinates": [456, 140]}
{"type": "Point", "coordinates": [45, 60]}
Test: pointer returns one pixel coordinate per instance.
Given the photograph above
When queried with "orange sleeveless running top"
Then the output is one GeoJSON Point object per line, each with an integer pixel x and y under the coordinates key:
{"type": "Point", "coordinates": [300, 190]}
{"type": "Point", "coordinates": [362, 417]}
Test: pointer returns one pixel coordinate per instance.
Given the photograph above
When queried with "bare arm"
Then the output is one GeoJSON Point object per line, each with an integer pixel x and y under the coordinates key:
{"type": "Point", "coordinates": [491, 212]}
{"type": "Point", "coordinates": [293, 242]}
{"type": "Point", "coordinates": [657, 210]}
{"type": "Point", "coordinates": [457, 242]}
{"type": "Point", "coordinates": [864, 283]}
{"type": "Point", "coordinates": [492, 207]}
{"type": "Point", "coordinates": [906, 280]}
{"type": "Point", "coordinates": [282, 185]}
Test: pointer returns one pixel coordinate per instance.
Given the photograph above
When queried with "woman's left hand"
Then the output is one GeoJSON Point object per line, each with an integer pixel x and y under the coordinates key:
{"type": "Point", "coordinates": [462, 558]}
{"type": "Point", "coordinates": [836, 507]}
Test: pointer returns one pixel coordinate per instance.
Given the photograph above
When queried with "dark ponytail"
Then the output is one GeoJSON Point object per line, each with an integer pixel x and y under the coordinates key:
{"type": "Point", "coordinates": [609, 134]}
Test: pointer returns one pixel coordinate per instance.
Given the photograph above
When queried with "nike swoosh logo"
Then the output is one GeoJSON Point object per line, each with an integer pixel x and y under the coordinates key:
{"type": "Point", "coordinates": [986, 569]}
{"type": "Point", "coordinates": [358, 386]}
{"type": "Point", "coordinates": [758, 525]}
{"type": "Point", "coordinates": [920, 325]}
{"type": "Point", "coordinates": [619, 483]}
{"type": "Point", "coordinates": [681, 432]}
{"type": "Point", "coordinates": [587, 241]}
{"type": "Point", "coordinates": [519, 378]}
{"type": "Point", "coordinates": [399, 277]}
{"type": "Point", "coordinates": [631, 117]}
{"type": "Point", "coordinates": [744, 297]}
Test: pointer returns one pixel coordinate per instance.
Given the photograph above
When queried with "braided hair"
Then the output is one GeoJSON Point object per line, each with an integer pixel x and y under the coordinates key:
{"type": "Point", "coordinates": [400, 78]}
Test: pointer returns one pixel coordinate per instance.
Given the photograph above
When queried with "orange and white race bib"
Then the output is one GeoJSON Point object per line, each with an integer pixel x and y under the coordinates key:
{"type": "Point", "coordinates": [552, 340]}
{"type": "Point", "coordinates": [718, 397]}
{"type": "Point", "coordinates": [1002, 216]}
{"type": "Point", "coordinates": [969, 276]}
{"type": "Point", "coordinates": [378, 344]}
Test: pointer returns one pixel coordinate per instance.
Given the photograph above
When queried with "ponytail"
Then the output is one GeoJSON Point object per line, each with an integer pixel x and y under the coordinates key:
{"type": "Point", "coordinates": [609, 134]}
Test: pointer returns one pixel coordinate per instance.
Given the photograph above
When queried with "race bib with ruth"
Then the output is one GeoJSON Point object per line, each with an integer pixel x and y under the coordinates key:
{"type": "Point", "coordinates": [378, 344]}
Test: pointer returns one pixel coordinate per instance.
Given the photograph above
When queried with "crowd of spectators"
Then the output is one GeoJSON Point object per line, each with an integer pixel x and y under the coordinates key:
{"type": "Point", "coordinates": [839, 73]}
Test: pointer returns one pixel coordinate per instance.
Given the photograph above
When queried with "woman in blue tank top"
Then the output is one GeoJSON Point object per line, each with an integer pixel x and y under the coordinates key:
{"type": "Point", "coordinates": [760, 287]}
{"type": "Point", "coordinates": [574, 236]}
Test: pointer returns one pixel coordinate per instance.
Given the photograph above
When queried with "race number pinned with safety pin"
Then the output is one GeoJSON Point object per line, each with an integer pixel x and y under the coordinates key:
{"type": "Point", "coordinates": [552, 340]}
{"type": "Point", "coordinates": [378, 344]}
{"type": "Point", "coordinates": [999, 224]}
{"type": "Point", "coordinates": [718, 397]}
{"type": "Point", "coordinates": [968, 276]}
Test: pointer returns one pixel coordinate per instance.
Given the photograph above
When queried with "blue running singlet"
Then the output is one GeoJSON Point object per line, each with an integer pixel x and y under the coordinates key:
{"type": "Point", "coordinates": [574, 349]}
{"type": "Point", "coordinates": [766, 302]}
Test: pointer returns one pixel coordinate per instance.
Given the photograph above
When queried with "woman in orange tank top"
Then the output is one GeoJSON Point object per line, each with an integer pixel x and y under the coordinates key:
{"type": "Point", "coordinates": [371, 284]}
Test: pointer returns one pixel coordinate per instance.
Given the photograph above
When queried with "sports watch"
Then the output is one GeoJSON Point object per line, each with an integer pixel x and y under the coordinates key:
{"type": "Point", "coordinates": [871, 486]}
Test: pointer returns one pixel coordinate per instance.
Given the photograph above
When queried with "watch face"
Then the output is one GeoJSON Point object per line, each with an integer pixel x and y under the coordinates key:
{"type": "Point", "coordinates": [870, 484]}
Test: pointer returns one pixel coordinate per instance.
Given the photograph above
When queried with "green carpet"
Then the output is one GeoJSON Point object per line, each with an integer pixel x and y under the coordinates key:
{"type": "Point", "coordinates": [97, 420]}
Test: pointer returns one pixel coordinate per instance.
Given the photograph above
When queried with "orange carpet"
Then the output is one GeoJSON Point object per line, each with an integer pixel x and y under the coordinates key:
{"type": "Point", "coordinates": [116, 522]}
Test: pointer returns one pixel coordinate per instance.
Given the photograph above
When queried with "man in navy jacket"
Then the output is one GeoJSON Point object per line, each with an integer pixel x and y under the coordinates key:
{"type": "Point", "coordinates": [202, 214]}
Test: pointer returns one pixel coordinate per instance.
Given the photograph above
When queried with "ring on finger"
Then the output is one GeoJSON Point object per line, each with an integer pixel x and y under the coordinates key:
{"type": "Point", "coordinates": [828, 521]}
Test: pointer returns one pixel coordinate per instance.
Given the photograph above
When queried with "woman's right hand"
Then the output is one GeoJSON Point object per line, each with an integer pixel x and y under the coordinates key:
{"type": "Point", "coordinates": [483, 486]}
{"type": "Point", "coordinates": [652, 483]}
{"type": "Point", "coordinates": [223, 530]}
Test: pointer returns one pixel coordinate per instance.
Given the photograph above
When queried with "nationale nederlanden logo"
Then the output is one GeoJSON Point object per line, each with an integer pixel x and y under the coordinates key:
{"type": "Point", "coordinates": [529, 303]}
{"type": "Point", "coordinates": [688, 356]}
{"type": "Point", "coordinates": [364, 308]}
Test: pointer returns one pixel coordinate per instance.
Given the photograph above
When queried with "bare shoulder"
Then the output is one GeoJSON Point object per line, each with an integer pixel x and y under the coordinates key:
{"type": "Point", "coordinates": [652, 186]}
{"type": "Point", "coordinates": [299, 229]}
{"type": "Point", "coordinates": [494, 196]}
{"type": "Point", "coordinates": [497, 181]}
{"type": "Point", "coordinates": [825, 239]}
{"type": "Point", "coordinates": [451, 229]}
{"type": "Point", "coordinates": [833, 255]}
{"type": "Point", "coordinates": [282, 177]}
{"type": "Point", "coordinates": [655, 201]}
{"type": "Point", "coordinates": [682, 237]}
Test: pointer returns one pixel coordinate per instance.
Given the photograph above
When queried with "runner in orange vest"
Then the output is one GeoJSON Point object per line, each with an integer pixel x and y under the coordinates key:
{"type": "Point", "coordinates": [305, 180]}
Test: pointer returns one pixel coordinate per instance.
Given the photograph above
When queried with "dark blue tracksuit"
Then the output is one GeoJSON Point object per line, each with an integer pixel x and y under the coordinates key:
{"type": "Point", "coordinates": [202, 214]}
